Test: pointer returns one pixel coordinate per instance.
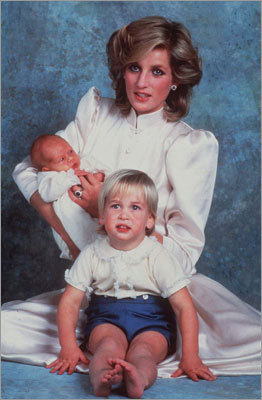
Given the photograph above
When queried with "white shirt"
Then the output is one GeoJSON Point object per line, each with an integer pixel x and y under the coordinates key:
{"type": "Point", "coordinates": [147, 269]}
{"type": "Point", "coordinates": [53, 184]}
{"type": "Point", "coordinates": [181, 161]}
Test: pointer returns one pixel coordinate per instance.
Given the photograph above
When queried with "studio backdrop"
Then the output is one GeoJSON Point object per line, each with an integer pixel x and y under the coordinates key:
{"type": "Point", "coordinates": [53, 52]}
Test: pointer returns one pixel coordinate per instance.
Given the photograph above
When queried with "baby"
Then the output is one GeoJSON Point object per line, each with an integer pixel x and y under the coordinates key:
{"type": "Point", "coordinates": [59, 168]}
{"type": "Point", "coordinates": [137, 289]}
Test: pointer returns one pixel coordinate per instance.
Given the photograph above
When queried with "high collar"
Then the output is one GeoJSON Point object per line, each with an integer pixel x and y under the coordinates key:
{"type": "Point", "coordinates": [106, 252]}
{"type": "Point", "coordinates": [144, 121]}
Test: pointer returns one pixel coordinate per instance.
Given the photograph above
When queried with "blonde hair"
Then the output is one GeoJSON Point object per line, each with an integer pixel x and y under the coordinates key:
{"type": "Point", "coordinates": [134, 41]}
{"type": "Point", "coordinates": [122, 181]}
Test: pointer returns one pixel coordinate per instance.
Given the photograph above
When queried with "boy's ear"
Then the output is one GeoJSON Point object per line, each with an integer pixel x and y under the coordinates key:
{"type": "Point", "coordinates": [101, 220]}
{"type": "Point", "coordinates": [150, 222]}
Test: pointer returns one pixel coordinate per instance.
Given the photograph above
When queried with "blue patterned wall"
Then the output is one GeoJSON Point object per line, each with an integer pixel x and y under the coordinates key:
{"type": "Point", "coordinates": [52, 52]}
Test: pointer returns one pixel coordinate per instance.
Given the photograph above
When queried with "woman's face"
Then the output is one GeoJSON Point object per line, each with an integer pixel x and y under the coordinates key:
{"type": "Point", "coordinates": [148, 81]}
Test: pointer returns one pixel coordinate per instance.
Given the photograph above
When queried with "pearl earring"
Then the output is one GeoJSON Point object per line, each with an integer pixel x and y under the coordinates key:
{"type": "Point", "coordinates": [173, 87]}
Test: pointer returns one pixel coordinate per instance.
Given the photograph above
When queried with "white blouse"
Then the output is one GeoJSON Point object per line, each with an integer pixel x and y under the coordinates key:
{"type": "Point", "coordinates": [147, 269]}
{"type": "Point", "coordinates": [181, 161]}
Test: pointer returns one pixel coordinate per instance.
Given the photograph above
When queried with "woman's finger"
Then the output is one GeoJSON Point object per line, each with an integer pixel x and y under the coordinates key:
{"type": "Point", "coordinates": [75, 199]}
{"type": "Point", "coordinates": [76, 187]}
{"type": "Point", "coordinates": [89, 177]}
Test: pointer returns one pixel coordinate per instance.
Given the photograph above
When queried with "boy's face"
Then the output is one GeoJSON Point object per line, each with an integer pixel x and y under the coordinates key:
{"type": "Point", "coordinates": [60, 156]}
{"type": "Point", "coordinates": [126, 218]}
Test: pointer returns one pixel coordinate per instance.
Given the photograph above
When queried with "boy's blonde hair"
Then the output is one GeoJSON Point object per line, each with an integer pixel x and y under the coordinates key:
{"type": "Point", "coordinates": [122, 181]}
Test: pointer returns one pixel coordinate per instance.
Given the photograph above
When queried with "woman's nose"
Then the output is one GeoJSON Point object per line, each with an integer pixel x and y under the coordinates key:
{"type": "Point", "coordinates": [142, 80]}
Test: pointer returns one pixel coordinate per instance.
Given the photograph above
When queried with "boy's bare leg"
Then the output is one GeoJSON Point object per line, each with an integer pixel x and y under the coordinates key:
{"type": "Point", "coordinates": [140, 366]}
{"type": "Point", "coordinates": [106, 341]}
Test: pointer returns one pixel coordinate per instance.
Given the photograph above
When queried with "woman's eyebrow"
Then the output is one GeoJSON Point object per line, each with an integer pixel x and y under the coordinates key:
{"type": "Point", "coordinates": [159, 66]}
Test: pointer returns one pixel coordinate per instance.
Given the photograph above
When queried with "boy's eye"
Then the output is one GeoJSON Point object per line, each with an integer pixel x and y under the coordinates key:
{"type": "Point", "coordinates": [70, 151]}
{"type": "Point", "coordinates": [62, 159]}
{"type": "Point", "coordinates": [115, 206]}
{"type": "Point", "coordinates": [135, 207]}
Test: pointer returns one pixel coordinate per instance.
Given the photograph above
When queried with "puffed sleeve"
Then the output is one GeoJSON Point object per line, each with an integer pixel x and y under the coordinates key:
{"type": "Point", "coordinates": [168, 273]}
{"type": "Point", "coordinates": [76, 133]}
{"type": "Point", "coordinates": [80, 274]}
{"type": "Point", "coordinates": [191, 165]}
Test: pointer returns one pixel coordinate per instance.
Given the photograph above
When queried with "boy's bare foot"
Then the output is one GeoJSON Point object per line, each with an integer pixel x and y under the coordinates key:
{"type": "Point", "coordinates": [103, 380]}
{"type": "Point", "coordinates": [134, 381]}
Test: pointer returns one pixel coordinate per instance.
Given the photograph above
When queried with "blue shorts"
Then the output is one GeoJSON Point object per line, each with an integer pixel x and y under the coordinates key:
{"type": "Point", "coordinates": [133, 316]}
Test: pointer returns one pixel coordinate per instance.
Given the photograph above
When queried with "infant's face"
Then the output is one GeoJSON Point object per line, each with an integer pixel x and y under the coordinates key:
{"type": "Point", "coordinates": [61, 157]}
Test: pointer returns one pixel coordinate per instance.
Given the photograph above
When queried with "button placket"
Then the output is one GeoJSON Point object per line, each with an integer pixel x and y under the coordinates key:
{"type": "Point", "coordinates": [134, 136]}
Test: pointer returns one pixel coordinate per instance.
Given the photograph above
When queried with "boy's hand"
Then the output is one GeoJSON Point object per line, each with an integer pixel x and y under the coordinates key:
{"type": "Point", "coordinates": [194, 369]}
{"type": "Point", "coordinates": [68, 360]}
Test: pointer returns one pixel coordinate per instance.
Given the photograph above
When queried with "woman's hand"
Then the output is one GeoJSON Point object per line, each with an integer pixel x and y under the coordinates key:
{"type": "Point", "coordinates": [158, 236]}
{"type": "Point", "coordinates": [91, 186]}
{"type": "Point", "coordinates": [194, 369]}
{"type": "Point", "coordinates": [68, 359]}
{"type": "Point", "coordinates": [73, 250]}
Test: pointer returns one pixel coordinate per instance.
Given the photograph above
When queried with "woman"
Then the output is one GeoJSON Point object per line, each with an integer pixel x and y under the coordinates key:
{"type": "Point", "coordinates": [154, 66]}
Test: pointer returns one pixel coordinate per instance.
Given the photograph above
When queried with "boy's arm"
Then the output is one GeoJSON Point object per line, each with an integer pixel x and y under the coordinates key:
{"type": "Point", "coordinates": [67, 317]}
{"type": "Point", "coordinates": [186, 315]}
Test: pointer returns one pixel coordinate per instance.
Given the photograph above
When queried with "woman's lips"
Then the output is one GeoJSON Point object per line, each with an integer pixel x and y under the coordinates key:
{"type": "Point", "coordinates": [142, 96]}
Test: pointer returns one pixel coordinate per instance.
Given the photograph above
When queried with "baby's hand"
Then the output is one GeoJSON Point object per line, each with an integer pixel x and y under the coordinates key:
{"type": "Point", "coordinates": [67, 360]}
{"type": "Point", "coordinates": [194, 369]}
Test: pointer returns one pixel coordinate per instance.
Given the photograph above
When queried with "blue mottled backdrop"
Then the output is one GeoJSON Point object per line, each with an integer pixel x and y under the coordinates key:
{"type": "Point", "coordinates": [52, 52]}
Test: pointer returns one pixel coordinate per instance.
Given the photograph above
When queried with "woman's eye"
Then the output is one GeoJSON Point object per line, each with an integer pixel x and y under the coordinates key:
{"type": "Point", "coordinates": [135, 207]}
{"type": "Point", "coordinates": [62, 159]}
{"type": "Point", "coordinates": [134, 68]}
{"type": "Point", "coordinates": [70, 151]}
{"type": "Point", "coordinates": [158, 72]}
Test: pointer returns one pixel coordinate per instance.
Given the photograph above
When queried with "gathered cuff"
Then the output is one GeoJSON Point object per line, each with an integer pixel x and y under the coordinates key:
{"type": "Point", "coordinates": [180, 284]}
{"type": "Point", "coordinates": [78, 285]}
